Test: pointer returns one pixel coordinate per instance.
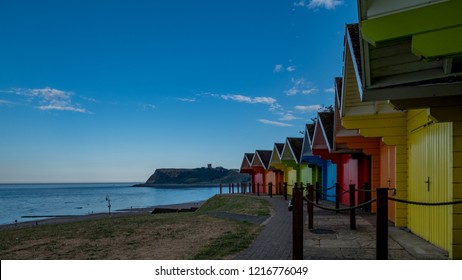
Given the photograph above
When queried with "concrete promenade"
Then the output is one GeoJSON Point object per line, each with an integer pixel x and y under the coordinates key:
{"type": "Point", "coordinates": [332, 239]}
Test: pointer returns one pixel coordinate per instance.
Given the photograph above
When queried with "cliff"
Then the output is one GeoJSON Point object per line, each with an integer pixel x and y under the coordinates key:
{"type": "Point", "coordinates": [197, 176]}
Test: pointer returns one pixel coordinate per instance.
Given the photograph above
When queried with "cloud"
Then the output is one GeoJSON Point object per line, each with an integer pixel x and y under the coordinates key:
{"type": "Point", "coordinates": [300, 86]}
{"type": "Point", "coordinates": [248, 99]}
{"type": "Point", "coordinates": [291, 68]}
{"type": "Point", "coordinates": [148, 106]}
{"type": "Point", "coordinates": [287, 117]}
{"type": "Point", "coordinates": [61, 108]}
{"type": "Point", "coordinates": [186, 99]}
{"type": "Point", "coordinates": [278, 68]}
{"type": "Point", "coordinates": [49, 99]}
{"type": "Point", "coordinates": [316, 4]}
{"type": "Point", "coordinates": [330, 90]}
{"type": "Point", "coordinates": [5, 102]}
{"type": "Point", "coordinates": [309, 108]}
{"type": "Point", "coordinates": [274, 123]}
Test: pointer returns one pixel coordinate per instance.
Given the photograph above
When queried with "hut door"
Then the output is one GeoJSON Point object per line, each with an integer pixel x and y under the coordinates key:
{"type": "Point", "coordinates": [430, 180]}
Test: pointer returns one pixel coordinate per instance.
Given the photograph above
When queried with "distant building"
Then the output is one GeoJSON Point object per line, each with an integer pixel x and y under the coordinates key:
{"type": "Point", "coordinates": [209, 166]}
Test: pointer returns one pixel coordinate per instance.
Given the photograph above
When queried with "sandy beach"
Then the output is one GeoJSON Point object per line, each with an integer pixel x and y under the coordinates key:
{"type": "Point", "coordinates": [95, 216]}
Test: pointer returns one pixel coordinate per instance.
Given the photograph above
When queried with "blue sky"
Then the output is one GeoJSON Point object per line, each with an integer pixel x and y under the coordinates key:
{"type": "Point", "coordinates": [108, 91]}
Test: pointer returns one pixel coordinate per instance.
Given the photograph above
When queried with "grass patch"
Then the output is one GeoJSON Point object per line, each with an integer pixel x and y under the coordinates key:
{"type": "Point", "coordinates": [237, 204]}
{"type": "Point", "coordinates": [142, 236]}
{"type": "Point", "coordinates": [230, 242]}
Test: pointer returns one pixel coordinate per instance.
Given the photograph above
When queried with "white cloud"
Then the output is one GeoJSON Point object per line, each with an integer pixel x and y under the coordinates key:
{"type": "Point", "coordinates": [291, 68]}
{"type": "Point", "coordinates": [300, 3]}
{"type": "Point", "coordinates": [301, 86]}
{"type": "Point", "coordinates": [248, 99]}
{"type": "Point", "coordinates": [50, 99]}
{"type": "Point", "coordinates": [274, 123]}
{"type": "Point", "coordinates": [309, 108]}
{"type": "Point", "coordinates": [61, 108]}
{"type": "Point", "coordinates": [186, 99]}
{"type": "Point", "coordinates": [5, 102]}
{"type": "Point", "coordinates": [278, 68]}
{"type": "Point", "coordinates": [148, 106]}
{"type": "Point", "coordinates": [288, 117]}
{"type": "Point", "coordinates": [330, 90]}
{"type": "Point", "coordinates": [316, 4]}
{"type": "Point", "coordinates": [328, 4]}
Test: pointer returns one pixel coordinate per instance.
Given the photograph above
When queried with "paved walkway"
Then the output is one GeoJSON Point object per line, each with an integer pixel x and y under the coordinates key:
{"type": "Point", "coordinates": [275, 240]}
{"type": "Point", "coordinates": [332, 238]}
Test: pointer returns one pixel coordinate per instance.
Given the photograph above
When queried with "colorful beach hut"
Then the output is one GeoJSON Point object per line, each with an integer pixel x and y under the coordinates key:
{"type": "Point", "coordinates": [411, 60]}
{"type": "Point", "coordinates": [295, 171]}
{"type": "Point", "coordinates": [262, 172]}
{"type": "Point", "coordinates": [323, 171]}
{"type": "Point", "coordinates": [278, 168]}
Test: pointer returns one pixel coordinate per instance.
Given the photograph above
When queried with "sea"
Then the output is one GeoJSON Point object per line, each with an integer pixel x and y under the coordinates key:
{"type": "Point", "coordinates": [30, 202]}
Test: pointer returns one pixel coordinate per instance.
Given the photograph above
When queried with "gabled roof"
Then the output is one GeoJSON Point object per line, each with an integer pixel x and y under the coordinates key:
{"type": "Point", "coordinates": [262, 158]}
{"type": "Point", "coordinates": [326, 122]}
{"type": "Point", "coordinates": [277, 153]}
{"type": "Point", "coordinates": [338, 90]}
{"type": "Point", "coordinates": [350, 93]}
{"type": "Point", "coordinates": [308, 139]}
{"type": "Point", "coordinates": [310, 131]}
{"type": "Point", "coordinates": [246, 161]}
{"type": "Point", "coordinates": [293, 149]}
{"type": "Point", "coordinates": [353, 37]}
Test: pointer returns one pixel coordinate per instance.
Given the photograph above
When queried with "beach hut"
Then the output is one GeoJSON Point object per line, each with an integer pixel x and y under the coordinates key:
{"type": "Point", "coordinates": [262, 172]}
{"type": "Point", "coordinates": [410, 60]}
{"type": "Point", "coordinates": [349, 169]}
{"type": "Point", "coordinates": [278, 168]}
{"type": "Point", "coordinates": [323, 171]}
{"type": "Point", "coordinates": [246, 165]}
{"type": "Point", "coordinates": [295, 171]}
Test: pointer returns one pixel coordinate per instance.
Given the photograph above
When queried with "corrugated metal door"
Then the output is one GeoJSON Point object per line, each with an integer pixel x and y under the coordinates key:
{"type": "Point", "coordinates": [430, 180]}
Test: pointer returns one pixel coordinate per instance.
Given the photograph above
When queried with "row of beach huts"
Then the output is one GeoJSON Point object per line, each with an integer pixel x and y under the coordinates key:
{"type": "Point", "coordinates": [396, 122]}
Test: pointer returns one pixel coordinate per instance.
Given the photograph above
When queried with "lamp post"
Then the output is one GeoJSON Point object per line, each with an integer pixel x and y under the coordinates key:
{"type": "Point", "coordinates": [108, 199]}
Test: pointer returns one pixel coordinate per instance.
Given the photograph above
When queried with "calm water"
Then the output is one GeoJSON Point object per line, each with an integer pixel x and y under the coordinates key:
{"type": "Point", "coordinates": [81, 199]}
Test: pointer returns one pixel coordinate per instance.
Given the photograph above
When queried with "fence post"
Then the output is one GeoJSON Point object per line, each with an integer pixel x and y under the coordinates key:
{"type": "Point", "coordinates": [229, 188]}
{"type": "Point", "coordinates": [285, 190]}
{"type": "Point", "coordinates": [232, 187]}
{"type": "Point", "coordinates": [367, 197]}
{"type": "Point", "coordinates": [352, 204]}
{"type": "Point", "coordinates": [238, 188]}
{"type": "Point", "coordinates": [221, 189]}
{"type": "Point", "coordinates": [309, 205]}
{"type": "Point", "coordinates": [382, 224]}
{"type": "Point", "coordinates": [297, 223]}
{"type": "Point", "coordinates": [270, 189]}
{"type": "Point", "coordinates": [337, 196]}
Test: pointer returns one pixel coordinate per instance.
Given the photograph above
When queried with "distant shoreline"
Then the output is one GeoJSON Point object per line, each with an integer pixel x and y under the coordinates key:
{"type": "Point", "coordinates": [179, 185]}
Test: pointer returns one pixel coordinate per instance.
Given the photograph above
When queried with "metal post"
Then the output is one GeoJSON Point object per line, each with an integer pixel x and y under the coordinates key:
{"type": "Point", "coordinates": [221, 189]}
{"type": "Point", "coordinates": [309, 205]}
{"type": "Point", "coordinates": [352, 205]}
{"type": "Point", "coordinates": [258, 188]}
{"type": "Point", "coordinates": [232, 187]}
{"type": "Point", "coordinates": [229, 188]}
{"type": "Point", "coordinates": [270, 189]}
{"type": "Point", "coordinates": [297, 223]}
{"type": "Point", "coordinates": [337, 196]}
{"type": "Point", "coordinates": [285, 190]}
{"type": "Point", "coordinates": [382, 224]}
